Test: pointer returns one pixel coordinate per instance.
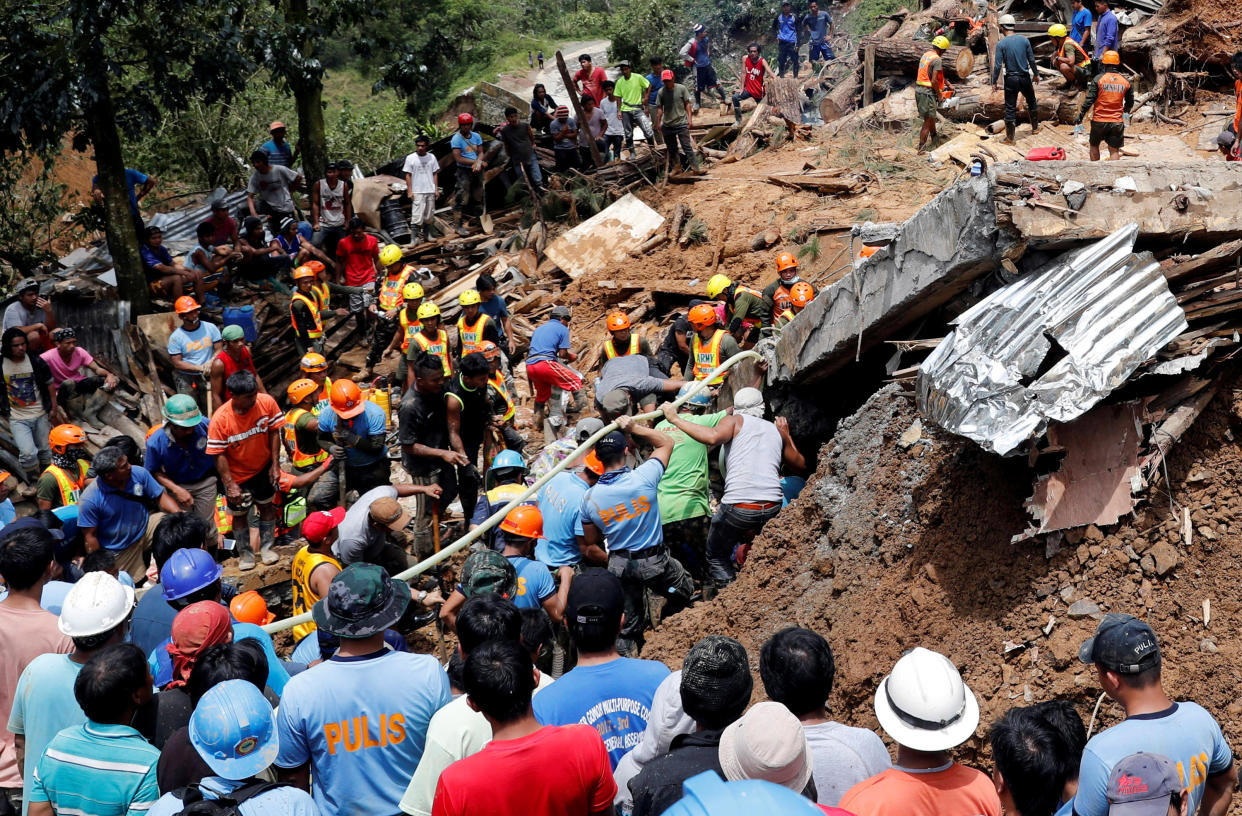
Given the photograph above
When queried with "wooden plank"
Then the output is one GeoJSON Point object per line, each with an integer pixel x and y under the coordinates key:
{"type": "Point", "coordinates": [868, 73]}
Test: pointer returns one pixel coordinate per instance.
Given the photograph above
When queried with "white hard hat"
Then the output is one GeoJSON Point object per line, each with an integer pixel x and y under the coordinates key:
{"type": "Point", "coordinates": [923, 703]}
{"type": "Point", "coordinates": [1007, 21]}
{"type": "Point", "coordinates": [95, 604]}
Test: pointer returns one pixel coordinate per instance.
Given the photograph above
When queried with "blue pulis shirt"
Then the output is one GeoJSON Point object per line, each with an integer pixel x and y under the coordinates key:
{"type": "Point", "coordinates": [118, 521]}
{"type": "Point", "coordinates": [181, 463]}
{"type": "Point", "coordinates": [614, 698]}
{"type": "Point", "coordinates": [624, 506]}
{"type": "Point", "coordinates": [535, 584]}
{"type": "Point", "coordinates": [1081, 25]}
{"type": "Point", "coordinates": [560, 504]}
{"type": "Point", "coordinates": [371, 422]}
{"type": "Point", "coordinates": [1106, 33]}
{"type": "Point", "coordinates": [787, 27]}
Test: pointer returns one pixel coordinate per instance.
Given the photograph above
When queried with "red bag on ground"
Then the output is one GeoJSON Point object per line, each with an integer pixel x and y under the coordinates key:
{"type": "Point", "coordinates": [1046, 154]}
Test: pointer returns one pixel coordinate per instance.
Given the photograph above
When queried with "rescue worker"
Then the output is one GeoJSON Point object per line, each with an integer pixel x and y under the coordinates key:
{"type": "Point", "coordinates": [191, 347]}
{"type": "Point", "coordinates": [474, 327]}
{"type": "Point", "coordinates": [711, 346]}
{"type": "Point", "coordinates": [622, 340]}
{"type": "Point", "coordinates": [504, 408]}
{"type": "Point", "coordinates": [800, 295]}
{"type": "Point", "coordinates": [62, 482]}
{"type": "Point", "coordinates": [1227, 141]}
{"type": "Point", "coordinates": [302, 439]}
{"type": "Point", "coordinates": [776, 293]}
{"type": "Point", "coordinates": [505, 479]}
{"type": "Point", "coordinates": [311, 573]}
{"type": "Point", "coordinates": [931, 87]}
{"type": "Point", "coordinates": [314, 367]}
{"type": "Point", "coordinates": [745, 308]}
{"type": "Point", "coordinates": [468, 414]}
{"type": "Point", "coordinates": [354, 429]}
{"type": "Point", "coordinates": [1016, 58]}
{"type": "Point", "coordinates": [407, 326]}
{"type": "Point", "coordinates": [388, 304]}
{"type": "Point", "coordinates": [233, 356]}
{"type": "Point", "coordinates": [685, 500]}
{"type": "Point", "coordinates": [306, 311]}
{"type": "Point", "coordinates": [1068, 57]}
{"type": "Point", "coordinates": [1110, 97]}
{"type": "Point", "coordinates": [429, 338]}
{"type": "Point", "coordinates": [177, 458]}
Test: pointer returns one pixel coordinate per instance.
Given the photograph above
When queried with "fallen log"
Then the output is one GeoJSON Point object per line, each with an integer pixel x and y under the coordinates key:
{"type": "Point", "coordinates": [892, 24]}
{"type": "Point", "coordinates": [897, 56]}
{"type": "Point", "coordinates": [765, 239]}
{"type": "Point", "coordinates": [981, 103]}
{"type": "Point", "coordinates": [746, 140]}
{"type": "Point", "coordinates": [843, 98]}
{"type": "Point", "coordinates": [680, 214]}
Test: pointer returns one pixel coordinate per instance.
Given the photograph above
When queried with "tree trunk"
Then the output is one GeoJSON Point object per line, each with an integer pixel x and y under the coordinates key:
{"type": "Point", "coordinates": [842, 99]}
{"type": "Point", "coordinates": [308, 96]}
{"type": "Point", "coordinates": [897, 56]}
{"type": "Point", "coordinates": [577, 106]}
{"type": "Point", "coordinates": [982, 104]}
{"type": "Point", "coordinates": [890, 27]}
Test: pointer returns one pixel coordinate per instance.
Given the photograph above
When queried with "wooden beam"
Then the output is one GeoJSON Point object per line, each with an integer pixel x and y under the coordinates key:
{"type": "Point", "coordinates": [573, 98]}
{"type": "Point", "coordinates": [868, 73]}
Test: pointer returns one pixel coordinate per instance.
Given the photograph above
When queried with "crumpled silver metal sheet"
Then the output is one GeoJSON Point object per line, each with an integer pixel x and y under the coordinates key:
{"type": "Point", "coordinates": [1107, 313]}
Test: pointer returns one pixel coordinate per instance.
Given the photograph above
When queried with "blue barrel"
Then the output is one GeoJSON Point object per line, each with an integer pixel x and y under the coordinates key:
{"type": "Point", "coordinates": [242, 316]}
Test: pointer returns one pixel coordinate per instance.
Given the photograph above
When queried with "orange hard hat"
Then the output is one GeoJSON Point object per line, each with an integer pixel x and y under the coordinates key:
{"type": "Point", "coordinates": [490, 350]}
{"type": "Point", "coordinates": [525, 520]}
{"type": "Point", "coordinates": [702, 316]}
{"type": "Point", "coordinates": [315, 266]}
{"type": "Point", "coordinates": [786, 260]}
{"type": "Point", "coordinates": [801, 293]}
{"type": "Point", "coordinates": [593, 464]}
{"type": "Point", "coordinates": [299, 390]}
{"type": "Point", "coordinates": [184, 304]}
{"type": "Point", "coordinates": [62, 436]}
{"type": "Point", "coordinates": [303, 271]}
{"type": "Point", "coordinates": [314, 361]}
{"type": "Point", "coordinates": [1110, 58]}
{"type": "Point", "coordinates": [618, 321]}
{"type": "Point", "coordinates": [346, 398]}
{"type": "Point", "coordinates": [868, 251]}
{"type": "Point", "coordinates": [249, 607]}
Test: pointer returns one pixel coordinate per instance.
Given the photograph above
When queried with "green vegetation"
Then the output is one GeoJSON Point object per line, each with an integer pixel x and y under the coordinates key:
{"type": "Point", "coordinates": [862, 22]}
{"type": "Point", "coordinates": [30, 205]}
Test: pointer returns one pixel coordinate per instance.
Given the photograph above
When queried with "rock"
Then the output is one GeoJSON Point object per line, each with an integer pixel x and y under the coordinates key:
{"type": "Point", "coordinates": [1084, 608]}
{"type": "Point", "coordinates": [913, 434]}
{"type": "Point", "coordinates": [1096, 550]}
{"type": "Point", "coordinates": [1093, 533]}
{"type": "Point", "coordinates": [1142, 544]}
{"type": "Point", "coordinates": [1067, 593]}
{"type": "Point", "coordinates": [1148, 564]}
{"type": "Point", "coordinates": [1165, 557]}
{"type": "Point", "coordinates": [1130, 553]}
{"type": "Point", "coordinates": [1206, 532]}
{"type": "Point", "coordinates": [1083, 553]}
{"type": "Point", "coordinates": [1062, 647]}
{"type": "Point", "coordinates": [1074, 536]}
{"type": "Point", "coordinates": [1207, 646]}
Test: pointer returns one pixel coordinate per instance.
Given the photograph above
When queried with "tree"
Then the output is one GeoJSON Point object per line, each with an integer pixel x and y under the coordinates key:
{"type": "Point", "coordinates": [92, 68]}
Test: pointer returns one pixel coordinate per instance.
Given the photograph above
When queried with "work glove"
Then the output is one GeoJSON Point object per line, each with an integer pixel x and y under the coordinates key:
{"type": "Point", "coordinates": [336, 451]}
{"type": "Point", "coordinates": [346, 438]}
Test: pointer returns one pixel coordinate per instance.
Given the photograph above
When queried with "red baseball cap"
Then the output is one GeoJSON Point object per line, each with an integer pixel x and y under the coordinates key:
{"type": "Point", "coordinates": [317, 525]}
{"type": "Point", "coordinates": [666, 75]}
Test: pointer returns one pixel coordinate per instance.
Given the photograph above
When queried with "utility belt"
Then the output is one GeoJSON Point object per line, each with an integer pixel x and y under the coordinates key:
{"type": "Point", "coordinates": [635, 555]}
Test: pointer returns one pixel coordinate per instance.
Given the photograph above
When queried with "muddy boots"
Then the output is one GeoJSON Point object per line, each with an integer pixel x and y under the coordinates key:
{"type": "Point", "coordinates": [1034, 121]}
{"type": "Point", "coordinates": [267, 537]}
{"type": "Point", "coordinates": [1010, 127]}
{"type": "Point", "coordinates": [457, 226]}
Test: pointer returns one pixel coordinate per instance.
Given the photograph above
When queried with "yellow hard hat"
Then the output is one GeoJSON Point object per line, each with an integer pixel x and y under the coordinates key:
{"type": "Point", "coordinates": [470, 297]}
{"type": "Point", "coordinates": [303, 272]}
{"type": "Point", "coordinates": [428, 309]}
{"type": "Point", "coordinates": [390, 254]}
{"type": "Point", "coordinates": [1057, 30]}
{"type": "Point", "coordinates": [412, 291]}
{"type": "Point", "coordinates": [718, 284]}
{"type": "Point", "coordinates": [941, 42]}
{"type": "Point", "coordinates": [1110, 58]}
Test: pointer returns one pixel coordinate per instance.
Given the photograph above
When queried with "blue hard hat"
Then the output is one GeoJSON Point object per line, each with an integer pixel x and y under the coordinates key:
{"type": "Point", "coordinates": [188, 571]}
{"type": "Point", "coordinates": [708, 795]}
{"type": "Point", "coordinates": [508, 459]}
{"type": "Point", "coordinates": [701, 399]}
{"type": "Point", "coordinates": [234, 730]}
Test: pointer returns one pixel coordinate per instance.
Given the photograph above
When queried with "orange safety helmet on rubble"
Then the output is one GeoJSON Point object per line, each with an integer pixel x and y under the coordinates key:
{"type": "Point", "coordinates": [524, 520]}
{"type": "Point", "coordinates": [1110, 58]}
{"type": "Point", "coordinates": [299, 390]}
{"type": "Point", "coordinates": [314, 362]}
{"type": "Point", "coordinates": [786, 260]}
{"type": "Point", "coordinates": [801, 293]}
{"type": "Point", "coordinates": [249, 607]}
{"type": "Point", "coordinates": [62, 436]}
{"type": "Point", "coordinates": [702, 316]}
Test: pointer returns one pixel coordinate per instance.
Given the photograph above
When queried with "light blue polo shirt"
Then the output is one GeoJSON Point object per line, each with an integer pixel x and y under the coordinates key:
{"type": "Point", "coordinates": [535, 584]}
{"type": "Point", "coordinates": [282, 801]}
{"type": "Point", "coordinates": [371, 422]}
{"type": "Point", "coordinates": [624, 505]}
{"type": "Point", "coordinates": [119, 521]}
{"type": "Point", "coordinates": [43, 705]}
{"type": "Point", "coordinates": [96, 769]}
{"type": "Point", "coordinates": [560, 504]}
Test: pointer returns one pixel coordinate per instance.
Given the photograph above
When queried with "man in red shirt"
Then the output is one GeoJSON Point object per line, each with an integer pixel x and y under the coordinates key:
{"type": "Point", "coordinates": [234, 357]}
{"type": "Point", "coordinates": [589, 80]}
{"type": "Point", "coordinates": [358, 254]}
{"type": "Point", "coordinates": [754, 69]}
{"type": "Point", "coordinates": [526, 768]}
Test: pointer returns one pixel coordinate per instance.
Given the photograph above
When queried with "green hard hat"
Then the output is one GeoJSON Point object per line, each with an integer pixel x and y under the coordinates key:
{"type": "Point", "coordinates": [181, 409]}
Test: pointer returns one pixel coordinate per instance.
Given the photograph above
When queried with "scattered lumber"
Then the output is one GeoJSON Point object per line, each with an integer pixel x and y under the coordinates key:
{"type": "Point", "coordinates": [897, 56]}
{"type": "Point", "coordinates": [831, 181]}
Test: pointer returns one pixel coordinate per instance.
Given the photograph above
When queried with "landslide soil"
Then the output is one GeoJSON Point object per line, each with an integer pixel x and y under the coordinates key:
{"type": "Point", "coordinates": [890, 548]}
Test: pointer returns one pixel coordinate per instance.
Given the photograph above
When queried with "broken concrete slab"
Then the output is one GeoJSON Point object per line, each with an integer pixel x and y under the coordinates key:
{"type": "Point", "coordinates": [606, 237]}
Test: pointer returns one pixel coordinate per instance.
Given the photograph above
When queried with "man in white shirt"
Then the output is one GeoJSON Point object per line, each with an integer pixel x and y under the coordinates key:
{"type": "Point", "coordinates": [422, 181]}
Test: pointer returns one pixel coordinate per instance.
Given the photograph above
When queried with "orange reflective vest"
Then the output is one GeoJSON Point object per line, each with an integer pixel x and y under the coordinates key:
{"type": "Point", "coordinates": [1237, 113]}
{"type": "Point", "coordinates": [610, 348]}
{"type": "Point", "coordinates": [390, 290]}
{"type": "Point", "coordinates": [739, 289]}
{"type": "Point", "coordinates": [707, 357]}
{"type": "Point", "coordinates": [323, 396]}
{"type": "Point", "coordinates": [438, 347]}
{"type": "Point", "coordinates": [70, 488]}
{"type": "Point", "coordinates": [312, 303]}
{"type": "Point", "coordinates": [780, 299]}
{"type": "Point", "coordinates": [471, 337]}
{"type": "Point", "coordinates": [322, 293]}
{"type": "Point", "coordinates": [224, 519]}
{"type": "Point", "coordinates": [925, 78]}
{"type": "Point", "coordinates": [783, 318]}
{"type": "Point", "coordinates": [497, 381]}
{"type": "Point", "coordinates": [299, 457]}
{"type": "Point", "coordinates": [408, 329]}
{"type": "Point", "coordinates": [1110, 98]}
{"type": "Point", "coordinates": [1086, 60]}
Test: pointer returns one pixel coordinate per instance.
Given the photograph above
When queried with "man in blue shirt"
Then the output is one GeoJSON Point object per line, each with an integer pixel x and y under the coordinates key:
{"type": "Point", "coordinates": [786, 28]}
{"type": "Point", "coordinates": [697, 50]}
{"type": "Point", "coordinates": [820, 25]}
{"type": "Point", "coordinates": [118, 511]}
{"type": "Point", "coordinates": [606, 691]}
{"type": "Point", "coordinates": [1106, 34]}
{"type": "Point", "coordinates": [279, 151]}
{"type": "Point", "coordinates": [1015, 55]}
{"type": "Point", "coordinates": [1127, 663]}
{"type": "Point", "coordinates": [192, 346]}
{"type": "Point", "coordinates": [468, 157]}
{"type": "Point", "coordinates": [1080, 30]}
{"type": "Point", "coordinates": [353, 429]}
{"type": "Point", "coordinates": [177, 459]}
{"type": "Point", "coordinates": [549, 344]}
{"type": "Point", "coordinates": [620, 526]}
{"type": "Point", "coordinates": [653, 79]}
{"type": "Point", "coordinates": [357, 723]}
{"type": "Point", "coordinates": [137, 185]}
{"type": "Point", "coordinates": [560, 504]}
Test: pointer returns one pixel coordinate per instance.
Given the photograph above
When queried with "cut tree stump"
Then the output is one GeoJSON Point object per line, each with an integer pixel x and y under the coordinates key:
{"type": "Point", "coordinates": [897, 56]}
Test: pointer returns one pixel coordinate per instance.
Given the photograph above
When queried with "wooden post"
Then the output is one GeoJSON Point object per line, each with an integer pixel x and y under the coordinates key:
{"type": "Point", "coordinates": [573, 98]}
{"type": "Point", "coordinates": [868, 73]}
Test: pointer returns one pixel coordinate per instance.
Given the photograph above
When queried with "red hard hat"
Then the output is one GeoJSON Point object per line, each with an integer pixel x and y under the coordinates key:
{"type": "Point", "coordinates": [465, 119]}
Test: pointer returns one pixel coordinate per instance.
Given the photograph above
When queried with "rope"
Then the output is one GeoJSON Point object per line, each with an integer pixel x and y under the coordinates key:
{"type": "Point", "coordinates": [495, 518]}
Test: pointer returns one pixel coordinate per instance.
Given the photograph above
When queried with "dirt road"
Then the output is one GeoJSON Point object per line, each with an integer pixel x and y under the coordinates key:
{"type": "Point", "coordinates": [521, 84]}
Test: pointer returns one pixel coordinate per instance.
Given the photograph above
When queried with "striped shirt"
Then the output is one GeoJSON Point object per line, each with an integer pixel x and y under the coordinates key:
{"type": "Point", "coordinates": [96, 770]}
{"type": "Point", "coordinates": [242, 438]}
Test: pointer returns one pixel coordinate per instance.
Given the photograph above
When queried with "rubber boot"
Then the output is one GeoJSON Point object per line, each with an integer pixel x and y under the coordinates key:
{"type": "Point", "coordinates": [539, 415]}
{"type": "Point", "coordinates": [1034, 122]}
{"type": "Point", "coordinates": [1009, 129]}
{"type": "Point", "coordinates": [460, 230]}
{"type": "Point", "coordinates": [267, 536]}
{"type": "Point", "coordinates": [245, 556]}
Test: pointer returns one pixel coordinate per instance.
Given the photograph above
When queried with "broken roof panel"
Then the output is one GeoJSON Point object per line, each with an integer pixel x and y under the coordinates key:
{"type": "Point", "coordinates": [1049, 346]}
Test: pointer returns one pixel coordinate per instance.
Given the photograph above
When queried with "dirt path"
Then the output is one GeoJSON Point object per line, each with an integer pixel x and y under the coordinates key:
{"type": "Point", "coordinates": [521, 84]}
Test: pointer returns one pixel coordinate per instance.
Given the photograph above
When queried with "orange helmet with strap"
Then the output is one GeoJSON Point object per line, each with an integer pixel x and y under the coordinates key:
{"type": "Point", "coordinates": [346, 398]}
{"type": "Point", "coordinates": [184, 304]}
{"type": "Point", "coordinates": [801, 293]}
{"type": "Point", "coordinates": [65, 436]}
{"type": "Point", "coordinates": [702, 316]}
{"type": "Point", "coordinates": [299, 390]}
{"type": "Point", "coordinates": [525, 520]}
{"type": "Point", "coordinates": [249, 607]}
{"type": "Point", "coordinates": [618, 321]}
{"type": "Point", "coordinates": [786, 260]}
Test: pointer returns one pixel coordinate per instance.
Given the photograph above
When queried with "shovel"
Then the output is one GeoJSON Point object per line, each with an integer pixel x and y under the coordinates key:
{"type": "Point", "coordinates": [485, 220]}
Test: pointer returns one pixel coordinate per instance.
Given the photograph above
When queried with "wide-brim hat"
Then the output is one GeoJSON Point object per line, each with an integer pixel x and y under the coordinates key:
{"type": "Point", "coordinates": [362, 601]}
{"type": "Point", "coordinates": [927, 736]}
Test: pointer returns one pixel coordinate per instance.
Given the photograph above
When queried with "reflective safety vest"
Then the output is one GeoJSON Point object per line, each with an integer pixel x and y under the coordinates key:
{"type": "Point", "coordinates": [304, 598]}
{"type": "Point", "coordinates": [740, 289]}
{"type": "Point", "coordinates": [408, 330]}
{"type": "Point", "coordinates": [224, 519]}
{"type": "Point", "coordinates": [471, 337]}
{"type": "Point", "coordinates": [783, 318]}
{"type": "Point", "coordinates": [299, 457]}
{"type": "Point", "coordinates": [70, 489]}
{"type": "Point", "coordinates": [322, 293]}
{"type": "Point", "coordinates": [1073, 46]}
{"type": "Point", "coordinates": [312, 303]}
{"type": "Point", "coordinates": [706, 358]}
{"type": "Point", "coordinates": [439, 348]}
{"type": "Point", "coordinates": [1110, 97]}
{"type": "Point", "coordinates": [924, 78]}
{"type": "Point", "coordinates": [497, 381]}
{"type": "Point", "coordinates": [780, 299]}
{"type": "Point", "coordinates": [390, 290]}
{"type": "Point", "coordinates": [610, 348]}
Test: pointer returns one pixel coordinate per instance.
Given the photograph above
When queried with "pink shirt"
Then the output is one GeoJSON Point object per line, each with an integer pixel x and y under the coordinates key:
{"type": "Point", "coordinates": [24, 635]}
{"type": "Point", "coordinates": [72, 370]}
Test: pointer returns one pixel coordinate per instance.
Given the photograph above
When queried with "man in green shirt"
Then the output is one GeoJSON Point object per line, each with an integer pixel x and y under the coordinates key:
{"type": "Point", "coordinates": [635, 110]}
{"type": "Point", "coordinates": [674, 116]}
{"type": "Point", "coordinates": [683, 490]}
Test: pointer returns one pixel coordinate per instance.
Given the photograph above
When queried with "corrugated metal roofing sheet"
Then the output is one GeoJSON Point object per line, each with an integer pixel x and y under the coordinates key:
{"type": "Point", "coordinates": [180, 225]}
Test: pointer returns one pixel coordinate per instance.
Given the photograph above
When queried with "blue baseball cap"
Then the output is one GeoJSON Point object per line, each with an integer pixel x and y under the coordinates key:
{"type": "Point", "coordinates": [611, 446]}
{"type": "Point", "coordinates": [234, 730]}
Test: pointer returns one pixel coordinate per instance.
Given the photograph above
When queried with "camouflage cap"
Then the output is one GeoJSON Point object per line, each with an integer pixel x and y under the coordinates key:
{"type": "Point", "coordinates": [488, 573]}
{"type": "Point", "coordinates": [361, 601]}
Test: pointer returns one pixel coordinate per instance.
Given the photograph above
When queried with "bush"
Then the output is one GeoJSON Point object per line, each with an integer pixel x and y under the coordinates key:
{"type": "Point", "coordinates": [30, 209]}
{"type": "Point", "coordinates": [374, 136]}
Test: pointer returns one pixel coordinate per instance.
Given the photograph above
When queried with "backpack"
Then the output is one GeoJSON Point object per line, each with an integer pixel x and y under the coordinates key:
{"type": "Point", "coordinates": [193, 803]}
